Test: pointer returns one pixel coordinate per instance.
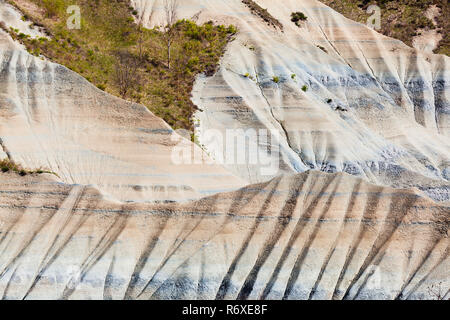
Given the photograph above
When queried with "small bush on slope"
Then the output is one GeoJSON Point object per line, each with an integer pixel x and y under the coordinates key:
{"type": "Point", "coordinates": [296, 17]}
{"type": "Point", "coordinates": [7, 165]}
{"type": "Point", "coordinates": [108, 29]}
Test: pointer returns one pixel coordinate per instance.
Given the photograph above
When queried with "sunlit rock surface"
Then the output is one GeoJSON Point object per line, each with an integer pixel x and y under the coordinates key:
{"type": "Point", "coordinates": [374, 107]}
{"type": "Point", "coordinates": [307, 236]}
{"type": "Point", "coordinates": [116, 222]}
{"type": "Point", "coordinates": [51, 117]}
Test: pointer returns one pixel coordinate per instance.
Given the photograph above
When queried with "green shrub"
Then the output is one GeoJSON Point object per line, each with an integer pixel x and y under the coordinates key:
{"type": "Point", "coordinates": [232, 30]}
{"type": "Point", "coordinates": [304, 88]}
{"type": "Point", "coordinates": [293, 76]}
{"type": "Point", "coordinates": [7, 165]}
{"type": "Point", "coordinates": [101, 86]}
{"type": "Point", "coordinates": [276, 79]}
{"type": "Point", "coordinates": [322, 48]}
{"type": "Point", "coordinates": [296, 17]}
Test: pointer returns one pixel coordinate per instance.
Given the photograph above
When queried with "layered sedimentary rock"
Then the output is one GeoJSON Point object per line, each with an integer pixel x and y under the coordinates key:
{"type": "Point", "coordinates": [53, 118]}
{"type": "Point", "coordinates": [12, 18]}
{"type": "Point", "coordinates": [372, 106]}
{"type": "Point", "coordinates": [307, 236]}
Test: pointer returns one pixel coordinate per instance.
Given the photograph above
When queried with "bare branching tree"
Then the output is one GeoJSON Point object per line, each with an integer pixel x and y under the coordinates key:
{"type": "Point", "coordinates": [171, 11]}
{"type": "Point", "coordinates": [126, 74]}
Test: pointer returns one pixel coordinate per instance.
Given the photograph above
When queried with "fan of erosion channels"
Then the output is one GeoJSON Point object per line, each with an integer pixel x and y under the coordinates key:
{"type": "Point", "coordinates": [307, 236]}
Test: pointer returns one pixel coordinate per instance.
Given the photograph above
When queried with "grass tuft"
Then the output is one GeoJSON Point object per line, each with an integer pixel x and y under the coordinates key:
{"type": "Point", "coordinates": [7, 165]}
{"type": "Point", "coordinates": [110, 43]}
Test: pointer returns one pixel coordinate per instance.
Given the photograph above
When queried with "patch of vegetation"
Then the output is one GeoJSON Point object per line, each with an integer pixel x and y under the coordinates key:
{"type": "Point", "coordinates": [297, 17]}
{"type": "Point", "coordinates": [293, 76]}
{"type": "Point", "coordinates": [7, 165]}
{"type": "Point", "coordinates": [400, 19]}
{"type": "Point", "coordinates": [329, 100]}
{"type": "Point", "coordinates": [262, 13]}
{"type": "Point", "coordinates": [322, 48]}
{"type": "Point", "coordinates": [304, 88]}
{"type": "Point", "coordinates": [156, 67]}
{"type": "Point", "coordinates": [276, 79]}
{"type": "Point", "coordinates": [248, 75]}
{"type": "Point", "coordinates": [340, 108]}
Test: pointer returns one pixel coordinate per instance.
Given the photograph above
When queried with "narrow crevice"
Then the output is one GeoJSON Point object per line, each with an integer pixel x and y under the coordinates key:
{"type": "Point", "coordinates": [331, 44]}
{"type": "Point", "coordinates": [5, 150]}
{"type": "Point", "coordinates": [271, 110]}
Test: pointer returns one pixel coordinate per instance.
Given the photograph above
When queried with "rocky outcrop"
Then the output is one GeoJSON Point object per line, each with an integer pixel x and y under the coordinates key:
{"type": "Point", "coordinates": [55, 119]}
{"type": "Point", "coordinates": [370, 105]}
{"type": "Point", "coordinates": [307, 236]}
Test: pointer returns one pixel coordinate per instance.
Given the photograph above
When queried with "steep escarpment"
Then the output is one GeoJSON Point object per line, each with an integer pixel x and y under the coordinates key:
{"type": "Point", "coordinates": [306, 236]}
{"type": "Point", "coordinates": [52, 118]}
{"type": "Point", "coordinates": [342, 97]}
{"type": "Point", "coordinates": [105, 43]}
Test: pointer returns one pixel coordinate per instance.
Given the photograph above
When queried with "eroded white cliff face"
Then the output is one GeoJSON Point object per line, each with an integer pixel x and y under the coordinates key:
{"type": "Point", "coordinates": [307, 236]}
{"type": "Point", "coordinates": [312, 235]}
{"type": "Point", "coordinates": [373, 107]}
{"type": "Point", "coordinates": [52, 118]}
{"type": "Point", "coordinates": [12, 18]}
